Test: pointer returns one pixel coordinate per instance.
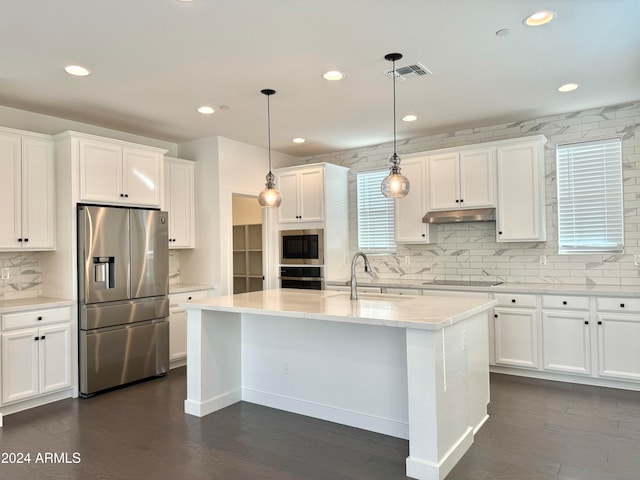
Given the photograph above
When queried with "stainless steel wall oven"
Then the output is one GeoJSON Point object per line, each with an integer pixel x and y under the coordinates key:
{"type": "Point", "coordinates": [310, 278]}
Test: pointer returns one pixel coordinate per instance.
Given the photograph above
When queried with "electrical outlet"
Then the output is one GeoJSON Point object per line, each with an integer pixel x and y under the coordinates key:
{"type": "Point", "coordinates": [285, 368]}
{"type": "Point", "coordinates": [543, 259]}
{"type": "Point", "coordinates": [5, 273]}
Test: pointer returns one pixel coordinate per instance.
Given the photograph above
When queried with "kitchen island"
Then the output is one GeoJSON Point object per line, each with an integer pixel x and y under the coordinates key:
{"type": "Point", "coordinates": [410, 367]}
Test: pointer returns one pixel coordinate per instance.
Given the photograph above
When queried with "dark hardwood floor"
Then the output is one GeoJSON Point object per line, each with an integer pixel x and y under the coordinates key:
{"type": "Point", "coordinates": [538, 430]}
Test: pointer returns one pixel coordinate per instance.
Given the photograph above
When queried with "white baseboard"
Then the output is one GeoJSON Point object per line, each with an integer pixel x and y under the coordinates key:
{"type": "Point", "coordinates": [200, 409]}
{"type": "Point", "coordinates": [425, 470]}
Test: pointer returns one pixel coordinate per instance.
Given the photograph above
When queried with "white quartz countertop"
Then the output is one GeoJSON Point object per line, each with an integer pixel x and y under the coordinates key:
{"type": "Point", "coordinates": [402, 311]}
{"type": "Point", "coordinates": [548, 288]}
{"type": "Point", "coordinates": [188, 287]}
{"type": "Point", "coordinates": [33, 303]}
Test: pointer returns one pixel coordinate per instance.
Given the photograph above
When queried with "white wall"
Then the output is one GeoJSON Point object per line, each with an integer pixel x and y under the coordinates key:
{"type": "Point", "coordinates": [469, 250]}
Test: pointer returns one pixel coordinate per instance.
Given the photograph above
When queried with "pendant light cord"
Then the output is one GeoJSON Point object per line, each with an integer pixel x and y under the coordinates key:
{"type": "Point", "coordinates": [269, 130]}
{"type": "Point", "coordinates": [393, 76]}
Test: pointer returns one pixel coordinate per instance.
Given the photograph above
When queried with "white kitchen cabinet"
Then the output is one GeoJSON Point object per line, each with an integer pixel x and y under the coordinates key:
{"type": "Point", "coordinates": [302, 191]}
{"type": "Point", "coordinates": [409, 210]}
{"type": "Point", "coordinates": [462, 179]}
{"type": "Point", "coordinates": [178, 325]}
{"type": "Point", "coordinates": [37, 359]}
{"type": "Point", "coordinates": [515, 329]}
{"type": "Point", "coordinates": [114, 172]}
{"type": "Point", "coordinates": [27, 219]}
{"type": "Point", "coordinates": [566, 334]}
{"type": "Point", "coordinates": [618, 327]}
{"type": "Point", "coordinates": [521, 191]}
{"type": "Point", "coordinates": [178, 201]}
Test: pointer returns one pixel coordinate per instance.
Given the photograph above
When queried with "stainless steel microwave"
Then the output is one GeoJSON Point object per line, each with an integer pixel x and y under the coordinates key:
{"type": "Point", "coordinates": [302, 247]}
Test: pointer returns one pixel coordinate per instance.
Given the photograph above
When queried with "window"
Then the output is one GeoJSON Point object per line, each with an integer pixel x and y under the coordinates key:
{"type": "Point", "coordinates": [590, 214]}
{"type": "Point", "coordinates": [375, 214]}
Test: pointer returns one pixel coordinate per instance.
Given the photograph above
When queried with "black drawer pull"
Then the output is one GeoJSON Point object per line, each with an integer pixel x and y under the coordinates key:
{"type": "Point", "coordinates": [599, 322]}
{"type": "Point", "coordinates": [39, 318]}
{"type": "Point", "coordinates": [564, 302]}
{"type": "Point", "coordinates": [513, 300]}
{"type": "Point", "coordinates": [495, 315]}
{"type": "Point", "coordinates": [189, 298]}
{"type": "Point", "coordinates": [622, 305]}
{"type": "Point", "coordinates": [43, 337]}
{"type": "Point", "coordinates": [37, 338]}
{"type": "Point", "coordinates": [586, 322]}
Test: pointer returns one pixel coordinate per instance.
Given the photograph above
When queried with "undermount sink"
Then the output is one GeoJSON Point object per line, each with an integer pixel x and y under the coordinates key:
{"type": "Point", "coordinates": [380, 297]}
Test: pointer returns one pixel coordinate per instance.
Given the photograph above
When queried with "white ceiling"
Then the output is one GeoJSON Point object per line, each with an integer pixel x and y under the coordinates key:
{"type": "Point", "coordinates": [154, 62]}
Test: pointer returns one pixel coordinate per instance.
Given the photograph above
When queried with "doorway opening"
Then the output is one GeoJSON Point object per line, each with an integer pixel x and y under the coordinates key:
{"type": "Point", "coordinates": [248, 275]}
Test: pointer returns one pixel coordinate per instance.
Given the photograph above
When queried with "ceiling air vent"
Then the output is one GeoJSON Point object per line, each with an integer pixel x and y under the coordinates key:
{"type": "Point", "coordinates": [409, 71]}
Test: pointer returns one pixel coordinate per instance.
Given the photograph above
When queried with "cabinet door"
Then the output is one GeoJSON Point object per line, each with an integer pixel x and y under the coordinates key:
{"type": "Point", "coordinates": [10, 193]}
{"type": "Point", "coordinates": [566, 342]}
{"type": "Point", "coordinates": [477, 178]}
{"type": "Point", "coordinates": [516, 337]}
{"type": "Point", "coordinates": [100, 172]}
{"type": "Point", "coordinates": [618, 341]}
{"type": "Point", "coordinates": [54, 357]}
{"type": "Point", "coordinates": [38, 200]}
{"type": "Point", "coordinates": [19, 365]}
{"type": "Point", "coordinates": [177, 334]}
{"type": "Point", "coordinates": [142, 172]}
{"type": "Point", "coordinates": [288, 186]}
{"type": "Point", "coordinates": [311, 195]}
{"type": "Point", "coordinates": [520, 206]}
{"type": "Point", "coordinates": [180, 195]}
{"type": "Point", "coordinates": [444, 182]}
{"type": "Point", "coordinates": [409, 210]}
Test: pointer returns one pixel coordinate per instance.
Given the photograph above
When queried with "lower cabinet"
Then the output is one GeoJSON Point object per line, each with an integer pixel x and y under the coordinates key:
{"type": "Point", "coordinates": [515, 330]}
{"type": "Point", "coordinates": [618, 327]}
{"type": "Point", "coordinates": [178, 325]}
{"type": "Point", "coordinates": [35, 360]}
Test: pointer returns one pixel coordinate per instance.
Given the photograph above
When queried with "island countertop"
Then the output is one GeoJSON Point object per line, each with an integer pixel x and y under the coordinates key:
{"type": "Point", "coordinates": [402, 311]}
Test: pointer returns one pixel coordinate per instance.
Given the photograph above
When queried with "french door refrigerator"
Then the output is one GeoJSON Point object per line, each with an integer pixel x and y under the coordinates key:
{"type": "Point", "coordinates": [123, 282]}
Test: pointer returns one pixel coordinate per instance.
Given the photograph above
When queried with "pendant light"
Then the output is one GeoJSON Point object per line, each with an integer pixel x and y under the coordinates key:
{"type": "Point", "coordinates": [394, 185]}
{"type": "Point", "coordinates": [269, 197]}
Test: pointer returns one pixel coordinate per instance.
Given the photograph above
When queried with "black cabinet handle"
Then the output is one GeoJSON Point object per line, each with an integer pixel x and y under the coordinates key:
{"type": "Point", "coordinates": [586, 322]}
{"type": "Point", "coordinates": [19, 239]}
{"type": "Point", "coordinates": [126, 195]}
{"type": "Point", "coordinates": [495, 315]}
{"type": "Point", "coordinates": [43, 337]}
{"type": "Point", "coordinates": [564, 302]}
{"type": "Point", "coordinates": [39, 318]}
{"type": "Point", "coordinates": [462, 200]}
{"type": "Point", "coordinates": [499, 233]}
{"type": "Point", "coordinates": [424, 235]}
{"type": "Point", "coordinates": [513, 300]}
{"type": "Point", "coordinates": [26, 239]}
{"type": "Point", "coordinates": [122, 195]}
{"type": "Point", "coordinates": [457, 201]}
{"type": "Point", "coordinates": [599, 322]}
{"type": "Point", "coordinates": [37, 338]}
{"type": "Point", "coordinates": [622, 305]}
{"type": "Point", "coordinates": [189, 298]}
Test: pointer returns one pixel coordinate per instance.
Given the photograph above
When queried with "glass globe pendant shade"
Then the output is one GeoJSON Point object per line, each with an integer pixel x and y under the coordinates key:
{"type": "Point", "coordinates": [395, 185]}
{"type": "Point", "coordinates": [270, 197]}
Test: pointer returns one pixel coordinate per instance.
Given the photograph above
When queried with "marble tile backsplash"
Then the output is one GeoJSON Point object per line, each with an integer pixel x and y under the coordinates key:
{"type": "Point", "coordinates": [469, 251]}
{"type": "Point", "coordinates": [24, 275]}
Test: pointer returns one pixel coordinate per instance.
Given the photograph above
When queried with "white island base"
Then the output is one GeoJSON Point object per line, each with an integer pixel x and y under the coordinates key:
{"type": "Point", "coordinates": [410, 367]}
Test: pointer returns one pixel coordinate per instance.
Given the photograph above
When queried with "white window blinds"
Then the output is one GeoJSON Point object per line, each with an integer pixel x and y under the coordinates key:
{"type": "Point", "coordinates": [590, 210]}
{"type": "Point", "coordinates": [375, 214]}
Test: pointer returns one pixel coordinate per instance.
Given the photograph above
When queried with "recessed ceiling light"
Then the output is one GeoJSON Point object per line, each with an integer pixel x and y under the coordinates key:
{"type": "Point", "coordinates": [333, 75]}
{"type": "Point", "coordinates": [76, 70]}
{"type": "Point", "coordinates": [409, 118]}
{"type": "Point", "coordinates": [568, 87]}
{"type": "Point", "coordinates": [205, 110]}
{"type": "Point", "coordinates": [298, 140]}
{"type": "Point", "coordinates": [539, 18]}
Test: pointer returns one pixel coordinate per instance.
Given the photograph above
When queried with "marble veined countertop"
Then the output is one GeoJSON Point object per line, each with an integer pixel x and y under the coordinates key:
{"type": "Point", "coordinates": [402, 311]}
{"type": "Point", "coordinates": [32, 303]}
{"type": "Point", "coordinates": [543, 288]}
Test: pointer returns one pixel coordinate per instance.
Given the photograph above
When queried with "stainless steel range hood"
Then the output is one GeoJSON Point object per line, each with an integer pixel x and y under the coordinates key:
{"type": "Point", "coordinates": [458, 216]}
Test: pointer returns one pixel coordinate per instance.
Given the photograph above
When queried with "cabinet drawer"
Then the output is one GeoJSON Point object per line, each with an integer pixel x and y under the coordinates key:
{"type": "Point", "coordinates": [621, 304]}
{"type": "Point", "coordinates": [515, 300]}
{"type": "Point", "coordinates": [33, 318]}
{"type": "Point", "coordinates": [565, 302]}
{"type": "Point", "coordinates": [176, 298]}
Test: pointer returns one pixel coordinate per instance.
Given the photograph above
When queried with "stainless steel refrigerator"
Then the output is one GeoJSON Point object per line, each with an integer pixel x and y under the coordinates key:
{"type": "Point", "coordinates": [123, 281]}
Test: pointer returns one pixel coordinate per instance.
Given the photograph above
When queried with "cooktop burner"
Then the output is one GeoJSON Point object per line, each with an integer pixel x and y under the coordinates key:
{"type": "Point", "coordinates": [465, 283]}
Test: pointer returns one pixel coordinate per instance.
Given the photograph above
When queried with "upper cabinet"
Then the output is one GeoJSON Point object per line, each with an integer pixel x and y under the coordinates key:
{"type": "Point", "coordinates": [409, 210]}
{"type": "Point", "coordinates": [115, 172]}
{"type": "Point", "coordinates": [302, 191]}
{"type": "Point", "coordinates": [178, 201]}
{"type": "Point", "coordinates": [521, 192]}
{"type": "Point", "coordinates": [27, 219]}
{"type": "Point", "coordinates": [462, 179]}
